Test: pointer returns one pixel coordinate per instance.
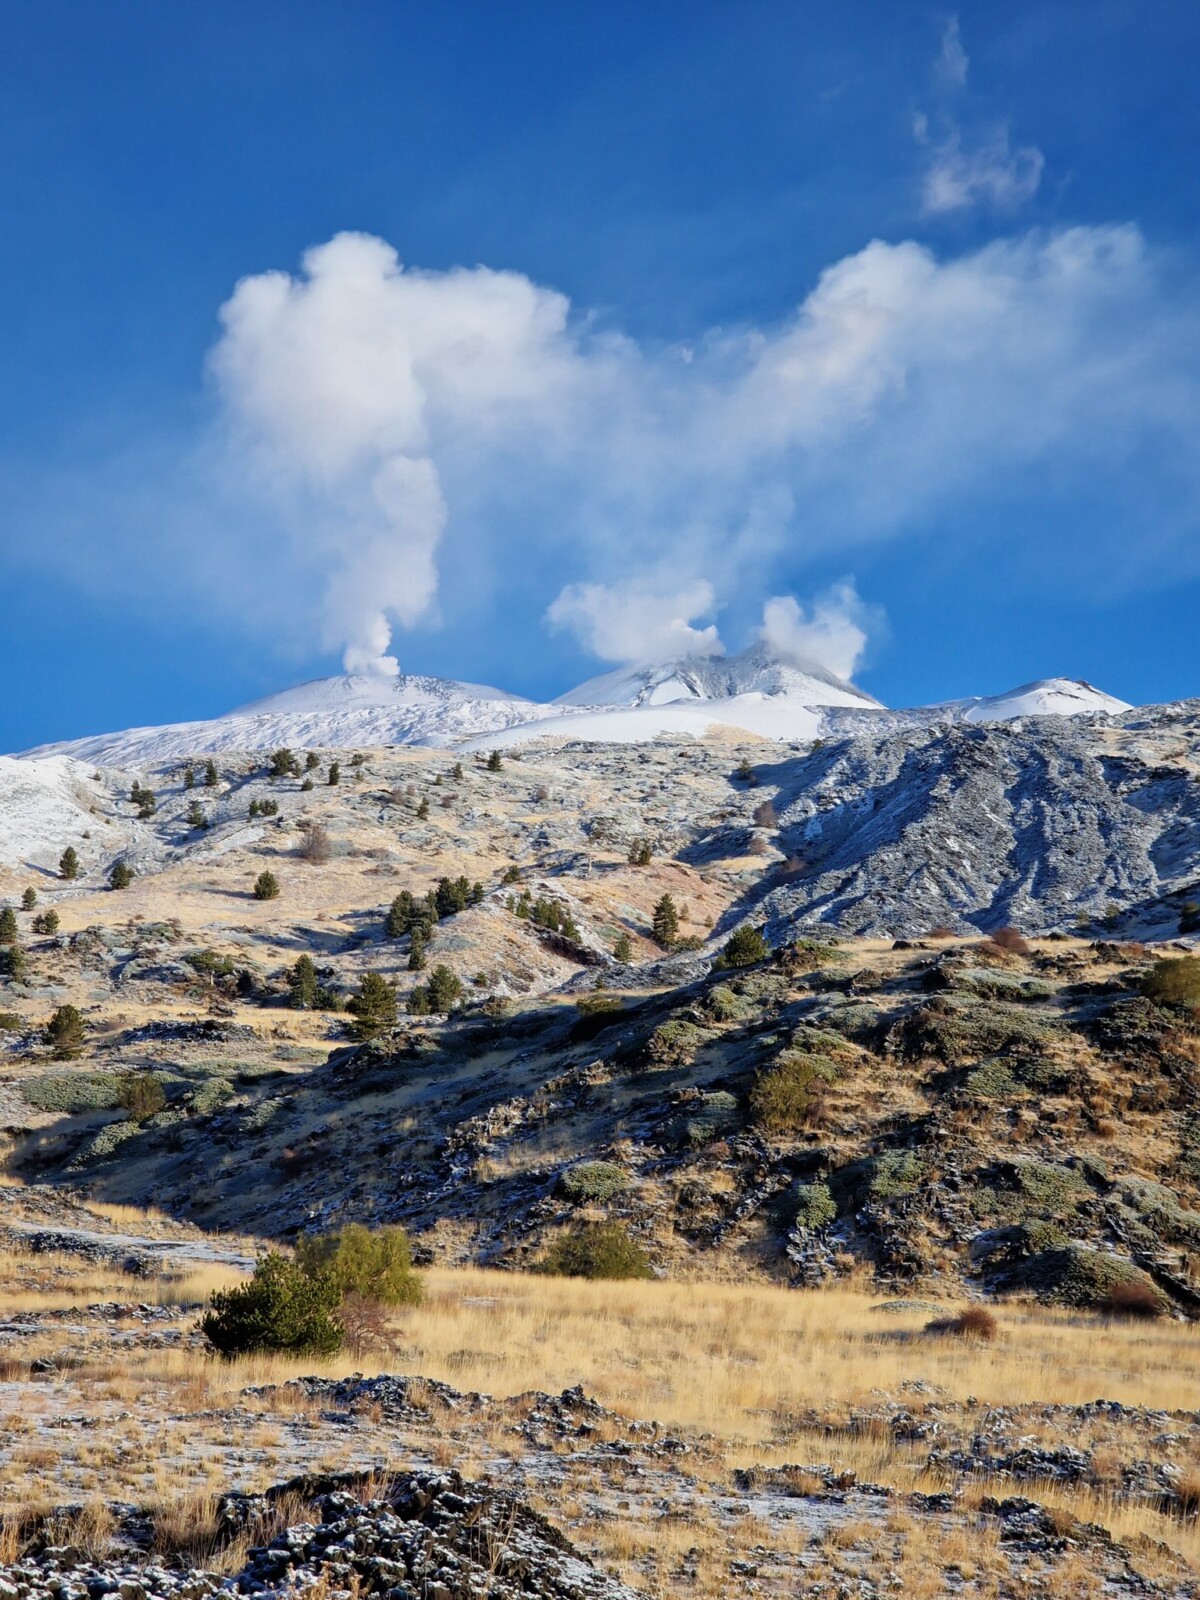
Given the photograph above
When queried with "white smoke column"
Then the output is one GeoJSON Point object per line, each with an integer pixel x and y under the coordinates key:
{"type": "Point", "coordinates": [344, 381]}
{"type": "Point", "coordinates": [636, 622]}
{"type": "Point", "coordinates": [833, 633]}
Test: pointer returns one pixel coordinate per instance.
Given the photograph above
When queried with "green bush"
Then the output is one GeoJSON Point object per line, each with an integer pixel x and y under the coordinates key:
{"type": "Point", "coordinates": [790, 1093]}
{"type": "Point", "coordinates": [744, 948]}
{"type": "Point", "coordinates": [374, 1264]}
{"type": "Point", "coordinates": [64, 1033]}
{"type": "Point", "coordinates": [712, 1117]}
{"type": "Point", "coordinates": [674, 1043]}
{"type": "Point", "coordinates": [72, 1092]}
{"type": "Point", "coordinates": [813, 1207]}
{"type": "Point", "coordinates": [121, 876]}
{"type": "Point", "coordinates": [142, 1095]}
{"type": "Point", "coordinates": [592, 1182]}
{"type": "Point", "coordinates": [282, 1308]}
{"type": "Point", "coordinates": [46, 922]}
{"type": "Point", "coordinates": [68, 864]}
{"type": "Point", "coordinates": [598, 1003]}
{"type": "Point", "coordinates": [266, 886]}
{"type": "Point", "coordinates": [1175, 982]}
{"type": "Point", "coordinates": [723, 1005]}
{"type": "Point", "coordinates": [623, 949]}
{"type": "Point", "coordinates": [597, 1250]}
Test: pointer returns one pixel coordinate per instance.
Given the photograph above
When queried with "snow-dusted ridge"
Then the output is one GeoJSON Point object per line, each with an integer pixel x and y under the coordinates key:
{"type": "Point", "coordinates": [757, 692]}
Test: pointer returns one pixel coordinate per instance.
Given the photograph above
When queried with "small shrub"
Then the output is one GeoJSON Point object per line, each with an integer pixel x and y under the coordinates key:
{"type": "Point", "coordinates": [68, 864]}
{"type": "Point", "coordinates": [592, 1182]}
{"type": "Point", "coordinates": [442, 993]}
{"type": "Point", "coordinates": [623, 949]}
{"type": "Point", "coordinates": [314, 846]}
{"type": "Point", "coordinates": [335, 773]}
{"type": "Point", "coordinates": [1011, 940]}
{"type": "Point", "coordinates": [598, 1003]}
{"type": "Point", "coordinates": [790, 1094]}
{"type": "Point", "coordinates": [744, 948]}
{"type": "Point", "coordinates": [142, 1095]}
{"type": "Point", "coordinates": [282, 1308]}
{"type": "Point", "coordinates": [814, 1207]}
{"type": "Point", "coordinates": [494, 763]}
{"type": "Point", "coordinates": [597, 1250]}
{"type": "Point", "coordinates": [1174, 983]}
{"type": "Point", "coordinates": [72, 1093]}
{"type": "Point", "coordinates": [8, 926]}
{"type": "Point", "coordinates": [373, 1264]}
{"type": "Point", "coordinates": [266, 886]}
{"type": "Point", "coordinates": [284, 764]}
{"type": "Point", "coordinates": [723, 1005]}
{"type": "Point", "coordinates": [64, 1034]}
{"type": "Point", "coordinates": [640, 853]}
{"type": "Point", "coordinates": [975, 1322]}
{"type": "Point", "coordinates": [29, 900]}
{"type": "Point", "coordinates": [1134, 1300]}
{"type": "Point", "coordinates": [211, 778]}
{"type": "Point", "coordinates": [764, 815]}
{"type": "Point", "coordinates": [674, 1043]}
{"type": "Point", "coordinates": [121, 876]}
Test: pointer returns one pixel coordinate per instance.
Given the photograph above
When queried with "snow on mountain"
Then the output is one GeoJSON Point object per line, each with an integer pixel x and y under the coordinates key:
{"type": "Point", "coordinates": [44, 804]}
{"type": "Point", "coordinates": [757, 691]}
{"type": "Point", "coordinates": [1047, 697]}
{"type": "Point", "coordinates": [757, 671]}
{"type": "Point", "coordinates": [771, 717]}
{"type": "Point", "coordinates": [329, 713]}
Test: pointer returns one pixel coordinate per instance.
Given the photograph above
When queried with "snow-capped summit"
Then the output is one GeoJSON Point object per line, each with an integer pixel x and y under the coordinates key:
{"type": "Point", "coordinates": [360, 691]}
{"type": "Point", "coordinates": [341, 713]}
{"type": "Point", "coordinates": [759, 670]}
{"type": "Point", "coordinates": [1046, 697]}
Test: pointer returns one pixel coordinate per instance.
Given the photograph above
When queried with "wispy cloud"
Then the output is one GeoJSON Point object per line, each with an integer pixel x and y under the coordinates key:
{"type": "Point", "coordinates": [952, 62]}
{"type": "Point", "coordinates": [978, 166]}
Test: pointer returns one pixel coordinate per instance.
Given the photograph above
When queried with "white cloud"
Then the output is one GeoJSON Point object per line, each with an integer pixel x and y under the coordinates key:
{"type": "Point", "coordinates": [638, 623]}
{"type": "Point", "coordinates": [395, 445]}
{"type": "Point", "coordinates": [992, 172]}
{"type": "Point", "coordinates": [833, 633]}
{"type": "Point", "coordinates": [952, 61]}
{"type": "Point", "coordinates": [341, 380]}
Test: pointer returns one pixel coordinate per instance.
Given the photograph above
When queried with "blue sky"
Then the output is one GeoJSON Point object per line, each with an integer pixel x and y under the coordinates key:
{"type": "Point", "coordinates": [696, 386]}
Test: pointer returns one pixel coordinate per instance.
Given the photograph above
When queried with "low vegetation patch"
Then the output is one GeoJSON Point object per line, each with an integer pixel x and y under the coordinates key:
{"type": "Point", "coordinates": [597, 1250]}
{"type": "Point", "coordinates": [593, 1182]}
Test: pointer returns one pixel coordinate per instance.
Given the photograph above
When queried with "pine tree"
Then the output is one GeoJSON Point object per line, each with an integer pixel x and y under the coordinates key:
{"type": "Point", "coordinates": [189, 777]}
{"type": "Point", "coordinates": [195, 816]}
{"type": "Point", "coordinates": [46, 922]}
{"type": "Point", "coordinates": [665, 924]}
{"type": "Point", "coordinates": [266, 886]}
{"type": "Point", "coordinates": [306, 786]}
{"type": "Point", "coordinates": [423, 809]}
{"type": "Point", "coordinates": [284, 764]}
{"type": "Point", "coordinates": [8, 926]}
{"type": "Point", "coordinates": [302, 984]}
{"type": "Point", "coordinates": [121, 875]}
{"type": "Point", "coordinates": [14, 962]}
{"type": "Point", "coordinates": [210, 775]}
{"type": "Point", "coordinates": [64, 1033]}
{"type": "Point", "coordinates": [640, 854]}
{"type": "Point", "coordinates": [416, 950]}
{"type": "Point", "coordinates": [457, 773]}
{"type": "Point", "coordinates": [148, 804]}
{"type": "Point", "coordinates": [335, 772]}
{"type": "Point", "coordinates": [311, 761]}
{"type": "Point", "coordinates": [29, 900]}
{"type": "Point", "coordinates": [68, 864]}
{"type": "Point", "coordinates": [444, 989]}
{"type": "Point", "coordinates": [494, 762]}
{"type": "Point", "coordinates": [623, 949]}
{"type": "Point", "coordinates": [373, 1006]}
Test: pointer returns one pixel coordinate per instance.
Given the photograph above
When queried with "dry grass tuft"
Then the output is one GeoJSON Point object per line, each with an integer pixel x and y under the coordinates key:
{"type": "Point", "coordinates": [975, 1322]}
